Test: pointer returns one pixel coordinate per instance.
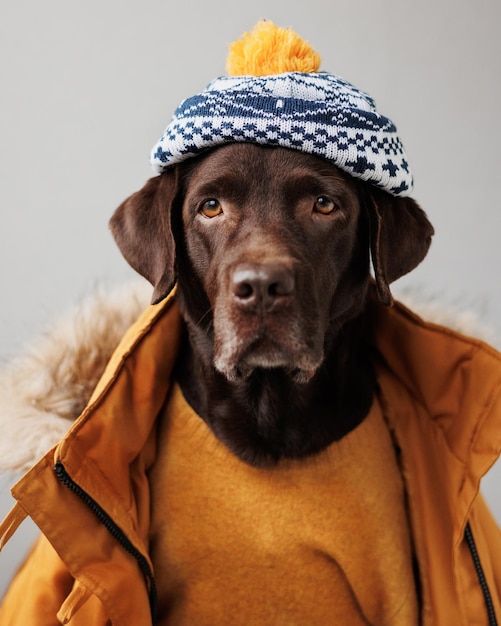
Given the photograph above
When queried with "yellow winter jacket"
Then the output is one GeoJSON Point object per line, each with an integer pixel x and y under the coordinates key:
{"type": "Point", "coordinates": [441, 397]}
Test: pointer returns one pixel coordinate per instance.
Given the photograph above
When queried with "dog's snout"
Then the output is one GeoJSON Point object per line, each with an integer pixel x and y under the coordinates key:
{"type": "Point", "coordinates": [262, 285]}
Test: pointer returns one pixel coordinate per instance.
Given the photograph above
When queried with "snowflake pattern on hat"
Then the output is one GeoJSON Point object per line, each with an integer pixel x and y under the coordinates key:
{"type": "Point", "coordinates": [317, 113]}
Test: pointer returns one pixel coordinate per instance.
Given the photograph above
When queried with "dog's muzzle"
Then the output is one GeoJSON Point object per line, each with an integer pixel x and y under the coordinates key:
{"type": "Point", "coordinates": [259, 325]}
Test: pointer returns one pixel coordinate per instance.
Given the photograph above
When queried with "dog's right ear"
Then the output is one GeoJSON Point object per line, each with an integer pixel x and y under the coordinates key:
{"type": "Point", "coordinates": [141, 227]}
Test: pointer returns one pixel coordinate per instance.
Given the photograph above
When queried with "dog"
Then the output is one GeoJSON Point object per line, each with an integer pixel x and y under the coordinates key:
{"type": "Point", "coordinates": [312, 457]}
{"type": "Point", "coordinates": [271, 249]}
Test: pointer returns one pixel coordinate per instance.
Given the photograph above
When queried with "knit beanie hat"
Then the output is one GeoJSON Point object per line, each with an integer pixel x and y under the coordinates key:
{"type": "Point", "coordinates": [275, 95]}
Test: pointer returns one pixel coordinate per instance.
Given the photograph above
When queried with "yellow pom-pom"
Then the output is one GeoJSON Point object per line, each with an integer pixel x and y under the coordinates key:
{"type": "Point", "coordinates": [268, 50]}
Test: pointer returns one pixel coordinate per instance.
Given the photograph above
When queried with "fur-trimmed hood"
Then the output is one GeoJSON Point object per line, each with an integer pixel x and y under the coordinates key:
{"type": "Point", "coordinates": [46, 388]}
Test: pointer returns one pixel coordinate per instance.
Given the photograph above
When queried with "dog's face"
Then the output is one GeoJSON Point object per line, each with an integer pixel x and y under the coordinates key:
{"type": "Point", "coordinates": [272, 250]}
{"type": "Point", "coordinates": [273, 237]}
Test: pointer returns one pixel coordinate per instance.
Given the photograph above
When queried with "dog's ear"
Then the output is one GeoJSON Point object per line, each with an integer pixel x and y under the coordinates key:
{"type": "Point", "coordinates": [400, 235]}
{"type": "Point", "coordinates": [141, 227]}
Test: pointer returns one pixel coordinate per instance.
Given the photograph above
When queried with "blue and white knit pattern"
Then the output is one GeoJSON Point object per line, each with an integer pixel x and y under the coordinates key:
{"type": "Point", "coordinates": [317, 113]}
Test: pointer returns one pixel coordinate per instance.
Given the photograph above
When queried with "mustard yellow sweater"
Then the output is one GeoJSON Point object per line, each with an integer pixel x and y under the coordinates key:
{"type": "Point", "coordinates": [318, 541]}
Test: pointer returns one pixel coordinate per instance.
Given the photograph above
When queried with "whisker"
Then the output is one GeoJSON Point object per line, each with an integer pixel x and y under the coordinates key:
{"type": "Point", "coordinates": [208, 312]}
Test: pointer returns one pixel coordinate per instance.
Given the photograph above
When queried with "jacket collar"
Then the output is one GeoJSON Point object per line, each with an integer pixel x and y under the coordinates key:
{"type": "Point", "coordinates": [454, 379]}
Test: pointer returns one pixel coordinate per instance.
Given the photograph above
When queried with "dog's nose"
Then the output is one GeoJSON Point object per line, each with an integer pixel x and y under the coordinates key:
{"type": "Point", "coordinates": [262, 285]}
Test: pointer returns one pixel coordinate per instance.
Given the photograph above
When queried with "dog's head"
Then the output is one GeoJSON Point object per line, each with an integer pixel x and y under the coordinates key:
{"type": "Point", "coordinates": [271, 250]}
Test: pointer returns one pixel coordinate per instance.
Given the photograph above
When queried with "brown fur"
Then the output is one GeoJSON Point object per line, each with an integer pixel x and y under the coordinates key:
{"type": "Point", "coordinates": [272, 289]}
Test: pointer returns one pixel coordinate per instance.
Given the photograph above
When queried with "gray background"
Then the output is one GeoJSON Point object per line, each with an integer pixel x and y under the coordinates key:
{"type": "Point", "coordinates": [88, 87]}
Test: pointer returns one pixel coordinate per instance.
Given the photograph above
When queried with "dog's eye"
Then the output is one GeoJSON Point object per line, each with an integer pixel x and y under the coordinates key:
{"type": "Point", "coordinates": [211, 208]}
{"type": "Point", "coordinates": [324, 205]}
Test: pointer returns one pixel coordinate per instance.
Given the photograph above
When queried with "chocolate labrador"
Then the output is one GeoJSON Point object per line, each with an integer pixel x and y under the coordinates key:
{"type": "Point", "coordinates": [271, 250]}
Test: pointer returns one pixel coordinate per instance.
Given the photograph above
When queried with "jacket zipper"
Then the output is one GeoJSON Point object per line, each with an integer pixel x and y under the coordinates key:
{"type": "Point", "coordinates": [115, 531]}
{"type": "Point", "coordinates": [481, 576]}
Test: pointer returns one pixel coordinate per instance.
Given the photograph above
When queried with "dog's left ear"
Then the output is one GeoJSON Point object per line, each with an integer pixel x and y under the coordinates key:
{"type": "Point", "coordinates": [400, 235]}
{"type": "Point", "coordinates": [141, 227]}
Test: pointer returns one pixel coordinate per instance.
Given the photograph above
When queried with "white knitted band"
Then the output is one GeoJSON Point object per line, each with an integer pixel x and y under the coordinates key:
{"type": "Point", "coordinates": [317, 113]}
